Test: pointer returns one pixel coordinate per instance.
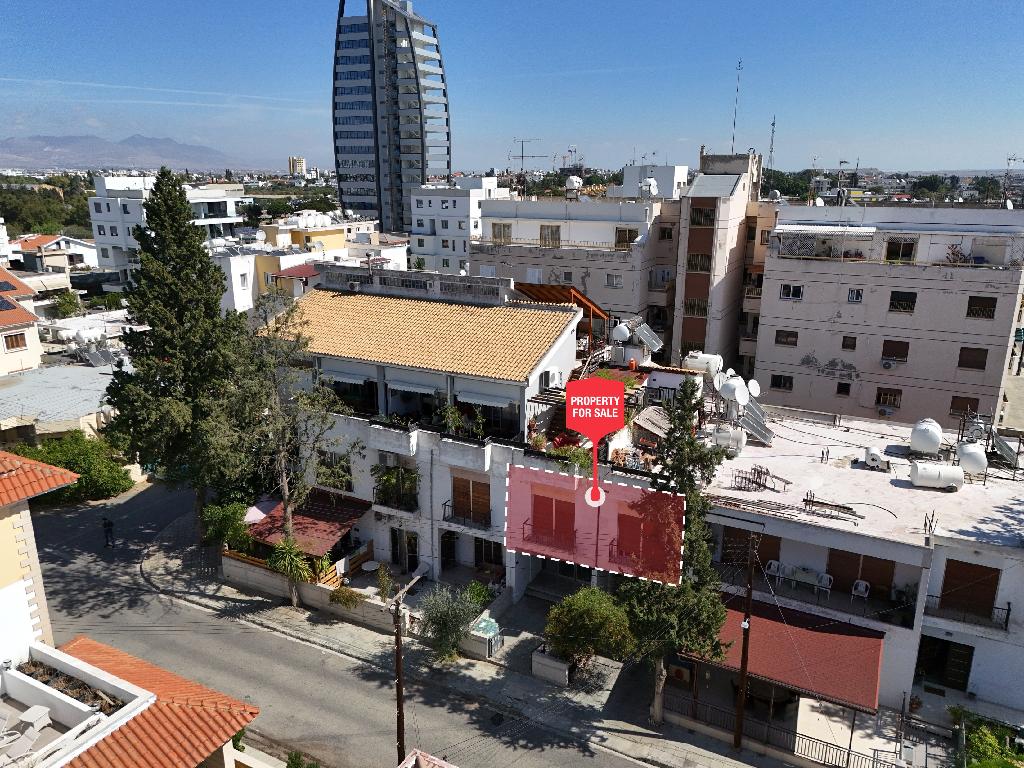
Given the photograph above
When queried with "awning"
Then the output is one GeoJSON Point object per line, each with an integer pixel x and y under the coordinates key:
{"type": "Point", "coordinates": [477, 398]}
{"type": "Point", "coordinates": [560, 294]}
{"type": "Point", "coordinates": [347, 378]}
{"type": "Point", "coordinates": [406, 386]}
{"type": "Point", "coordinates": [813, 655]}
{"type": "Point", "coordinates": [317, 526]}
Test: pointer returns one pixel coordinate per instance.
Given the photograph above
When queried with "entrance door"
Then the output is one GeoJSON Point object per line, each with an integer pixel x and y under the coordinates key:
{"type": "Point", "coordinates": [412, 546]}
{"type": "Point", "coordinates": [449, 540]}
{"type": "Point", "coordinates": [944, 662]}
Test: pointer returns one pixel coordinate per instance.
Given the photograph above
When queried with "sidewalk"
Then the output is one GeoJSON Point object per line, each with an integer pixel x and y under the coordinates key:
{"type": "Point", "coordinates": [178, 568]}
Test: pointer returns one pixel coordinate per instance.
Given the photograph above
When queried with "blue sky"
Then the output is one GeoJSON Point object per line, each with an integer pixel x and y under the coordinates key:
{"type": "Point", "coordinates": [899, 85]}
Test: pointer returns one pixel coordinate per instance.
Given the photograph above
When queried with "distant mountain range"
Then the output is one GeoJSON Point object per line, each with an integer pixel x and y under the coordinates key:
{"type": "Point", "coordinates": [42, 152]}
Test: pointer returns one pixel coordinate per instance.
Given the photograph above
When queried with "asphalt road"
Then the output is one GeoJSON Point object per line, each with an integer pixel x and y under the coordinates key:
{"type": "Point", "coordinates": [337, 710]}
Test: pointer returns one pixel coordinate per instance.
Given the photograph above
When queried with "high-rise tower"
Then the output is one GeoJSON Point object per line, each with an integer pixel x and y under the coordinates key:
{"type": "Point", "coordinates": [391, 123]}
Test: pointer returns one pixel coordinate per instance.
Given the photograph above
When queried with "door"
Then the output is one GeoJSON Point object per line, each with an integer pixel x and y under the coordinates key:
{"type": "Point", "coordinates": [879, 574]}
{"type": "Point", "coordinates": [396, 547]}
{"type": "Point", "coordinates": [412, 546]}
{"type": "Point", "coordinates": [944, 662]}
{"type": "Point", "coordinates": [449, 541]}
{"type": "Point", "coordinates": [844, 567]}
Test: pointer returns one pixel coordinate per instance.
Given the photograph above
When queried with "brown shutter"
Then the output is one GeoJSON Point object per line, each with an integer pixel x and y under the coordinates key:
{"type": "Point", "coordinates": [844, 568]}
{"type": "Point", "coordinates": [878, 573]}
{"type": "Point", "coordinates": [543, 517]}
{"type": "Point", "coordinates": [481, 502]}
{"type": "Point", "coordinates": [970, 587]}
{"type": "Point", "coordinates": [461, 496]}
{"type": "Point", "coordinates": [768, 549]}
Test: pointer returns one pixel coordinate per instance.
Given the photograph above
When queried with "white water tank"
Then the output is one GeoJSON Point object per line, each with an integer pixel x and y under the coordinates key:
{"type": "Point", "coordinates": [621, 333]}
{"type": "Point", "coordinates": [926, 437]}
{"type": "Point", "coordinates": [732, 439]}
{"type": "Point", "coordinates": [574, 183]}
{"type": "Point", "coordinates": [972, 458]}
{"type": "Point", "coordinates": [936, 475]}
{"type": "Point", "coordinates": [873, 458]}
{"type": "Point", "coordinates": [699, 361]}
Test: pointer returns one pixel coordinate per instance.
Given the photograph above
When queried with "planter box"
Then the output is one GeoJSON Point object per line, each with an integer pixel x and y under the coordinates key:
{"type": "Point", "coordinates": [392, 439]}
{"type": "Point", "coordinates": [468, 455]}
{"type": "Point", "coordinates": [550, 668]}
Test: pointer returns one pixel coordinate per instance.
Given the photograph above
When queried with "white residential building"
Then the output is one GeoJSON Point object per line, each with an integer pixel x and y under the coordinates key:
{"type": "Point", "coordinates": [70, 252]}
{"type": "Point", "coordinates": [117, 208]}
{"type": "Point", "coordinates": [5, 245]}
{"type": "Point", "coordinates": [670, 180]}
{"type": "Point", "coordinates": [445, 217]}
{"type": "Point", "coordinates": [20, 347]}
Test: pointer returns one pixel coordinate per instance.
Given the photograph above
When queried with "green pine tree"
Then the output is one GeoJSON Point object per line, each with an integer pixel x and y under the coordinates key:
{"type": "Point", "coordinates": [179, 405]}
{"type": "Point", "coordinates": [666, 619]}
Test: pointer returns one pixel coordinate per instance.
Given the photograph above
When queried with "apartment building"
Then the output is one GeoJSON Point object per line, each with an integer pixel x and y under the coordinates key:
{"type": "Point", "coordinates": [891, 313]}
{"type": "Point", "coordinates": [117, 208]}
{"type": "Point", "coordinates": [6, 251]}
{"type": "Point", "coordinates": [391, 125]}
{"type": "Point", "coordinates": [326, 234]}
{"type": "Point", "coordinates": [446, 217]}
{"type": "Point", "coordinates": [122, 711]}
{"type": "Point", "coordinates": [296, 166]}
{"type": "Point", "coordinates": [63, 251]}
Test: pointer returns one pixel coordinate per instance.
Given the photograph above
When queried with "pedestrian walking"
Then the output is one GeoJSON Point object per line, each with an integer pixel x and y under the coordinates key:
{"type": "Point", "coordinates": [108, 532]}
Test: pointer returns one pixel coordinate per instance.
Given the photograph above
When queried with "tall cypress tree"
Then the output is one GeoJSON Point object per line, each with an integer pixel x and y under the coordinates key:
{"type": "Point", "coordinates": [664, 618]}
{"type": "Point", "coordinates": [180, 404]}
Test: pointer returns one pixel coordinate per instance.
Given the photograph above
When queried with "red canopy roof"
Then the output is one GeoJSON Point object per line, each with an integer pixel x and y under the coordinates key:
{"type": "Point", "coordinates": [822, 657]}
{"type": "Point", "coordinates": [317, 525]}
{"type": "Point", "coordinates": [299, 270]}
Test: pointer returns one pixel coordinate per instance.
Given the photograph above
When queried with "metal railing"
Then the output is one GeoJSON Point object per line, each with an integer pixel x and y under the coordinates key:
{"type": "Point", "coordinates": [752, 291]}
{"type": "Point", "coordinates": [997, 618]}
{"type": "Point", "coordinates": [784, 739]}
{"type": "Point", "coordinates": [902, 306]}
{"type": "Point", "coordinates": [471, 520]}
{"type": "Point", "coordinates": [985, 313]}
{"type": "Point", "coordinates": [621, 556]}
{"type": "Point", "coordinates": [393, 494]}
{"type": "Point", "coordinates": [565, 541]}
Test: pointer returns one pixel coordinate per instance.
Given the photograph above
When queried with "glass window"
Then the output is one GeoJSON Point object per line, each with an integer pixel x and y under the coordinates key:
{"type": "Point", "coordinates": [786, 338]}
{"type": "Point", "coordinates": [849, 342]}
{"type": "Point", "coordinates": [665, 233]}
{"type": "Point", "coordinates": [766, 235]}
{"type": "Point", "coordinates": [244, 279]}
{"type": "Point", "coordinates": [419, 242]}
{"type": "Point", "coordinates": [419, 202]}
{"type": "Point", "coordinates": [900, 249]}
{"type": "Point", "coordinates": [501, 233]}
{"type": "Point", "coordinates": [567, 277]}
{"type": "Point", "coordinates": [888, 398]}
{"type": "Point", "coordinates": [981, 306]}
{"type": "Point", "coordinates": [974, 358]}
{"type": "Point", "coordinates": [124, 208]}
{"type": "Point", "coordinates": [789, 292]}
{"type": "Point", "coordinates": [100, 229]}
{"type": "Point", "coordinates": [550, 235]}
{"type": "Point", "coordinates": [445, 263]}
{"type": "Point", "coordinates": [784, 383]}
{"type": "Point", "coordinates": [113, 231]}
{"type": "Point", "coordinates": [959, 406]}
{"type": "Point", "coordinates": [97, 207]}
{"type": "Point", "coordinates": [843, 388]}
{"type": "Point", "coordinates": [444, 223]}
{"type": "Point", "coordinates": [895, 350]}
{"type": "Point", "coordinates": [15, 341]}
{"type": "Point", "coordinates": [902, 301]}
{"type": "Point", "coordinates": [855, 295]}
{"type": "Point", "coordinates": [612, 280]}
{"type": "Point", "coordinates": [624, 237]}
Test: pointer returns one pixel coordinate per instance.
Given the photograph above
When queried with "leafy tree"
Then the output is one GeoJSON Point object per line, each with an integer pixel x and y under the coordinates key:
{"type": "Point", "coordinates": [276, 207]}
{"type": "Point", "coordinates": [66, 304]}
{"type": "Point", "coordinates": [788, 184]}
{"type": "Point", "coordinates": [931, 185]}
{"type": "Point", "coordinates": [252, 213]}
{"type": "Point", "coordinates": [228, 176]}
{"type": "Point", "coordinates": [292, 563]}
{"type": "Point", "coordinates": [321, 203]}
{"type": "Point", "coordinates": [385, 581]}
{"type": "Point", "coordinates": [447, 616]}
{"type": "Point", "coordinates": [182, 404]}
{"type": "Point", "coordinates": [588, 623]}
{"type": "Point", "coordinates": [225, 524]}
{"type": "Point", "coordinates": [989, 187]}
{"type": "Point", "coordinates": [297, 760]}
{"type": "Point", "coordinates": [101, 470]}
{"type": "Point", "coordinates": [667, 619]}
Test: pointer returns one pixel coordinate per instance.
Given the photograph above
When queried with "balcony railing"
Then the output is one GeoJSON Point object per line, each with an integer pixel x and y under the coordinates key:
{"type": "Point", "coordinates": [902, 306]}
{"type": "Point", "coordinates": [998, 618]}
{"type": "Point", "coordinates": [985, 313]}
{"type": "Point", "coordinates": [397, 488]}
{"type": "Point", "coordinates": [752, 291]}
{"type": "Point", "coordinates": [555, 539]}
{"type": "Point", "coordinates": [474, 519]}
{"type": "Point", "coordinates": [620, 555]}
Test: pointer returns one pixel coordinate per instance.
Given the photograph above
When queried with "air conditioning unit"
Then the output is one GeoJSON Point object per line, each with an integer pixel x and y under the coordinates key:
{"type": "Point", "coordinates": [887, 364]}
{"type": "Point", "coordinates": [885, 411]}
{"type": "Point", "coordinates": [353, 285]}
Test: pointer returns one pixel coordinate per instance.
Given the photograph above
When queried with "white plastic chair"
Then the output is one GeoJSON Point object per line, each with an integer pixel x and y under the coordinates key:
{"type": "Point", "coordinates": [774, 571]}
{"type": "Point", "coordinates": [24, 743]}
{"type": "Point", "coordinates": [824, 585]}
{"type": "Point", "coordinates": [861, 589]}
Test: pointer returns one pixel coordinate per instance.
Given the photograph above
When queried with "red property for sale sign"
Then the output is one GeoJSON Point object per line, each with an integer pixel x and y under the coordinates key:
{"type": "Point", "coordinates": [595, 407]}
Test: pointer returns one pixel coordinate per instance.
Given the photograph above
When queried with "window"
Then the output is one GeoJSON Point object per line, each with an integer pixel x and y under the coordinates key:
{"type": "Point", "coordinates": [104, 253]}
{"type": "Point", "coordinates": [665, 233]}
{"type": "Point", "coordinates": [419, 222]}
{"type": "Point", "coordinates": [455, 203]}
{"type": "Point", "coordinates": [695, 308]}
{"type": "Point", "coordinates": [786, 338]}
{"type": "Point", "coordinates": [902, 301]}
{"type": "Point", "coordinates": [444, 223]}
{"type": "Point", "coordinates": [959, 406]}
{"type": "Point", "coordinates": [471, 500]}
{"type": "Point", "coordinates": [850, 342]}
{"type": "Point", "coordinates": [444, 205]}
{"type": "Point", "coordinates": [785, 383]}
{"type": "Point", "coordinates": [463, 264]}
{"type": "Point", "coordinates": [97, 207]}
{"type": "Point", "coordinates": [486, 552]}
{"type": "Point", "coordinates": [888, 398]}
{"type": "Point", "coordinates": [550, 235]}
{"type": "Point", "coordinates": [567, 277]}
{"type": "Point", "coordinates": [981, 306]}
{"type": "Point", "coordinates": [113, 231]}
{"type": "Point", "coordinates": [501, 233]}
{"type": "Point", "coordinates": [124, 208]}
{"type": "Point", "coordinates": [766, 235]}
{"type": "Point", "coordinates": [895, 350]}
{"type": "Point", "coordinates": [244, 280]}
{"type": "Point", "coordinates": [444, 244]}
{"type": "Point", "coordinates": [15, 341]}
{"type": "Point", "coordinates": [702, 217]}
{"type": "Point", "coordinates": [613, 281]}
{"type": "Point", "coordinates": [100, 229]}
{"type": "Point", "coordinates": [462, 225]}
{"type": "Point", "coordinates": [108, 207]}
{"type": "Point", "coordinates": [855, 295]}
{"type": "Point", "coordinates": [486, 270]}
{"type": "Point", "coordinates": [900, 249]}
{"type": "Point", "coordinates": [268, 278]}
{"type": "Point", "coordinates": [973, 358]}
{"type": "Point", "coordinates": [419, 242]}
{"type": "Point", "coordinates": [419, 202]}
{"type": "Point", "coordinates": [751, 229]}
{"type": "Point", "coordinates": [430, 203]}
{"type": "Point", "coordinates": [446, 263]}
{"type": "Point", "coordinates": [534, 275]}
{"type": "Point", "coordinates": [843, 388]}
{"type": "Point", "coordinates": [463, 246]}
{"type": "Point", "coordinates": [624, 237]}
{"type": "Point", "coordinates": [789, 292]}
{"type": "Point", "coordinates": [698, 262]}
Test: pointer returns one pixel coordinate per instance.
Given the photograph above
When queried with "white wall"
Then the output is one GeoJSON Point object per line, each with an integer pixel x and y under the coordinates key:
{"type": "Point", "coordinates": [16, 622]}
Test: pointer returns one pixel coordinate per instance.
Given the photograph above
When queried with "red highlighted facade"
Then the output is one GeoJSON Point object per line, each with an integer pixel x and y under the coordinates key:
{"type": "Point", "coordinates": [635, 532]}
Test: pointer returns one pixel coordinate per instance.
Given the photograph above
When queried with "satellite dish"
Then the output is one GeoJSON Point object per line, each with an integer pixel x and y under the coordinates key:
{"type": "Point", "coordinates": [742, 396]}
{"type": "Point", "coordinates": [754, 388]}
{"type": "Point", "coordinates": [261, 235]}
{"type": "Point", "coordinates": [730, 372]}
{"type": "Point", "coordinates": [718, 381]}
{"type": "Point", "coordinates": [318, 246]}
{"type": "Point", "coordinates": [621, 333]}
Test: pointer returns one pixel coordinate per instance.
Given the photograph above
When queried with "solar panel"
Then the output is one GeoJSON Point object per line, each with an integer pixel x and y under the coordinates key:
{"type": "Point", "coordinates": [649, 337]}
{"type": "Point", "coordinates": [6, 304]}
{"type": "Point", "coordinates": [6, 285]}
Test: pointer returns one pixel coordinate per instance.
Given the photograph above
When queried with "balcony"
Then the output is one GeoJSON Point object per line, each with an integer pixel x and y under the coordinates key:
{"type": "Point", "coordinates": [748, 344]}
{"type": "Point", "coordinates": [396, 488]}
{"type": "Point", "coordinates": [560, 540]}
{"type": "Point", "coordinates": [466, 452]}
{"type": "Point", "coordinates": [393, 437]}
{"type": "Point", "coordinates": [752, 299]}
{"type": "Point", "coordinates": [478, 519]}
{"type": "Point", "coordinates": [997, 618]}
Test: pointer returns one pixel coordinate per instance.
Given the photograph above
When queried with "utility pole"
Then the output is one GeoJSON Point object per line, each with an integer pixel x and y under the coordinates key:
{"type": "Point", "coordinates": [741, 699]}
{"type": "Point", "coordinates": [735, 107]}
{"type": "Point", "coordinates": [396, 611]}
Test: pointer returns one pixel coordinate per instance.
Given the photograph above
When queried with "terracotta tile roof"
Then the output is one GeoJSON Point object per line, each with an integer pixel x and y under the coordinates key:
{"type": "Point", "coordinates": [494, 342]}
{"type": "Point", "coordinates": [32, 243]}
{"type": "Point", "coordinates": [17, 289]}
{"type": "Point", "coordinates": [299, 270]}
{"type": "Point", "coordinates": [184, 726]}
{"type": "Point", "coordinates": [11, 312]}
{"type": "Point", "coordinates": [317, 526]}
{"type": "Point", "coordinates": [22, 478]}
{"type": "Point", "coordinates": [832, 660]}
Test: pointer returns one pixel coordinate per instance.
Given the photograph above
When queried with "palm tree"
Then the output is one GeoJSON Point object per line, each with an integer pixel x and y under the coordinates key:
{"type": "Point", "coordinates": [290, 561]}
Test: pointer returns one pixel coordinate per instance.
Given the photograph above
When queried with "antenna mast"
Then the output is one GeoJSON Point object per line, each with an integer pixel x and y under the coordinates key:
{"type": "Point", "coordinates": [522, 157]}
{"type": "Point", "coordinates": [771, 147]}
{"type": "Point", "coordinates": [1006, 179]}
{"type": "Point", "coordinates": [735, 107]}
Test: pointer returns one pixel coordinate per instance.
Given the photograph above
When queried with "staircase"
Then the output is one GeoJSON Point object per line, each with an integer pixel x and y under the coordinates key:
{"type": "Point", "coordinates": [588, 367]}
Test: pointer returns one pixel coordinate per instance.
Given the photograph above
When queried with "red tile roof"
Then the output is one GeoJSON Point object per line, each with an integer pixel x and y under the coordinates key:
{"type": "Point", "coordinates": [22, 478]}
{"type": "Point", "coordinates": [32, 243]}
{"type": "Point", "coordinates": [828, 659]}
{"type": "Point", "coordinates": [18, 289]}
{"type": "Point", "coordinates": [11, 312]}
{"type": "Point", "coordinates": [317, 526]}
{"type": "Point", "coordinates": [299, 270]}
{"type": "Point", "coordinates": [186, 724]}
